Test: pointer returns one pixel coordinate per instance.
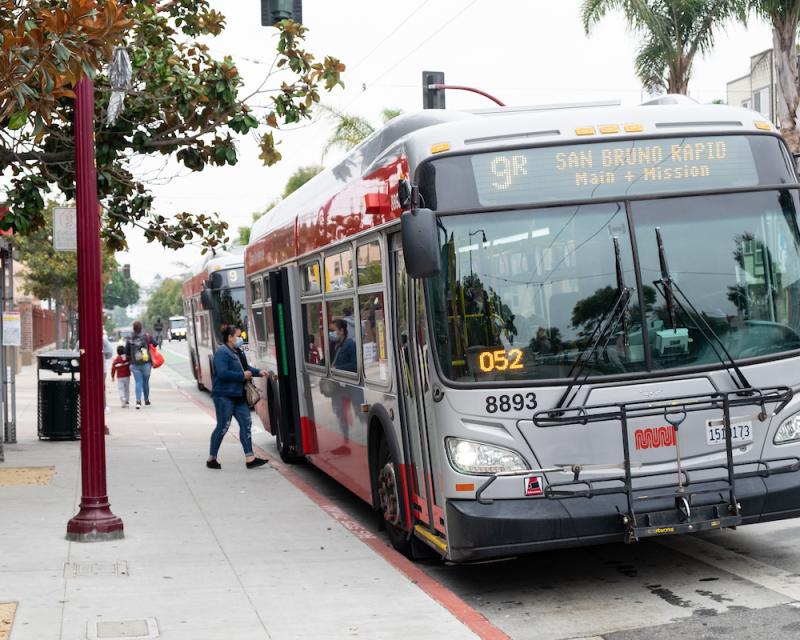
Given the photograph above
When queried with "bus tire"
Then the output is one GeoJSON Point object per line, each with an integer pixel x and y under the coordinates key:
{"type": "Point", "coordinates": [390, 500]}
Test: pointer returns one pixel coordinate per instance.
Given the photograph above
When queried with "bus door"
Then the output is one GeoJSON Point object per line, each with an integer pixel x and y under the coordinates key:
{"type": "Point", "coordinates": [281, 284]}
{"type": "Point", "coordinates": [414, 389]}
{"type": "Point", "coordinates": [191, 339]}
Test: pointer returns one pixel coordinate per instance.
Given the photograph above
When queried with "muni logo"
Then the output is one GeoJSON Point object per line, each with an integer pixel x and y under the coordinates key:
{"type": "Point", "coordinates": [655, 437]}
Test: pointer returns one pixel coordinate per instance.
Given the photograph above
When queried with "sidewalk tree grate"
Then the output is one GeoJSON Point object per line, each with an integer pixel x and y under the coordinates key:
{"type": "Point", "coordinates": [16, 476]}
{"type": "Point", "coordinates": [78, 570]}
{"type": "Point", "coordinates": [131, 629]}
{"type": "Point", "coordinates": [7, 612]}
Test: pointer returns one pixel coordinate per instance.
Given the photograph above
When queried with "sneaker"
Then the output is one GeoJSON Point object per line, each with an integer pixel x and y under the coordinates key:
{"type": "Point", "coordinates": [147, 403]}
{"type": "Point", "coordinates": [138, 405]}
{"type": "Point", "coordinates": [213, 464]}
{"type": "Point", "coordinates": [258, 462]}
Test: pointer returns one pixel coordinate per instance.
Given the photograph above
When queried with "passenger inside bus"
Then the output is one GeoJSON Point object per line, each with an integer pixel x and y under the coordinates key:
{"type": "Point", "coordinates": [343, 348]}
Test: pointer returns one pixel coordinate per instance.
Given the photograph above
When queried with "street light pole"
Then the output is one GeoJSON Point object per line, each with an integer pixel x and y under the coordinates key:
{"type": "Point", "coordinates": [94, 521]}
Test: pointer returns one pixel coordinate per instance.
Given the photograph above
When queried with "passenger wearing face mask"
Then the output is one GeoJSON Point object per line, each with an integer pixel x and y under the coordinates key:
{"type": "Point", "coordinates": [238, 344]}
{"type": "Point", "coordinates": [230, 400]}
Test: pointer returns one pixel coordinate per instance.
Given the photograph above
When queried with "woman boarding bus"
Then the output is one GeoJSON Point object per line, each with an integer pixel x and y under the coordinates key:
{"type": "Point", "coordinates": [572, 325]}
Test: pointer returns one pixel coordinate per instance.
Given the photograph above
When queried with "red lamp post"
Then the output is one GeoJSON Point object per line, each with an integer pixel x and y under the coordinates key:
{"type": "Point", "coordinates": [94, 521]}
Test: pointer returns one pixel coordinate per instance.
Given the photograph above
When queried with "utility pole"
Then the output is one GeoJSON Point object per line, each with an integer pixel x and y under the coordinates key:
{"type": "Point", "coordinates": [94, 521]}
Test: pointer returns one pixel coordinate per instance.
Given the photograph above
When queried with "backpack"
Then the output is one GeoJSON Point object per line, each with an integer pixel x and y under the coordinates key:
{"type": "Point", "coordinates": [139, 348]}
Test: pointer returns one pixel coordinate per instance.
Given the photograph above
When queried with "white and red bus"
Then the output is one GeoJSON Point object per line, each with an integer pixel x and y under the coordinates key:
{"type": "Point", "coordinates": [213, 296]}
{"type": "Point", "coordinates": [522, 329]}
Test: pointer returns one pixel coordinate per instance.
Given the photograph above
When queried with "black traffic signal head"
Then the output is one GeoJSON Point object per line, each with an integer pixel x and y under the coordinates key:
{"type": "Point", "coordinates": [273, 11]}
{"type": "Point", "coordinates": [432, 98]}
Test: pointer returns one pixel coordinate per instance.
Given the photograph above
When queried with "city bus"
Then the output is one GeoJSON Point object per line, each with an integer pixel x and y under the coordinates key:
{"type": "Point", "coordinates": [529, 328]}
{"type": "Point", "coordinates": [214, 295]}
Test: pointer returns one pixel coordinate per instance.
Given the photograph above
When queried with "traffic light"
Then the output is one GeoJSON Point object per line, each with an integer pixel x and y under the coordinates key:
{"type": "Point", "coordinates": [126, 270]}
{"type": "Point", "coordinates": [273, 11]}
{"type": "Point", "coordinates": [432, 98]}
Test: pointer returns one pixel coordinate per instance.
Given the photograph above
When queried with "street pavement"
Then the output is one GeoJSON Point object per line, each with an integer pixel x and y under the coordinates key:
{"type": "Point", "coordinates": [237, 553]}
{"type": "Point", "coordinates": [286, 552]}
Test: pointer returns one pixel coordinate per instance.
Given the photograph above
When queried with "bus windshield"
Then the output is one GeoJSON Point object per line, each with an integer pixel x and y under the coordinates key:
{"type": "Point", "coordinates": [233, 309]}
{"type": "Point", "coordinates": [521, 293]}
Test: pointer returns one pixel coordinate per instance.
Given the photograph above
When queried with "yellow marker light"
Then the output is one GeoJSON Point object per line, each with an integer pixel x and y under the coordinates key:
{"type": "Point", "coordinates": [633, 128]}
{"type": "Point", "coordinates": [442, 146]}
{"type": "Point", "coordinates": [584, 131]}
{"type": "Point", "coordinates": [609, 128]}
{"type": "Point", "coordinates": [763, 125]}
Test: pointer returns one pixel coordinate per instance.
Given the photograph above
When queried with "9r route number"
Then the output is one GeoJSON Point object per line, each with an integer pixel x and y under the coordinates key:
{"type": "Point", "coordinates": [514, 402]}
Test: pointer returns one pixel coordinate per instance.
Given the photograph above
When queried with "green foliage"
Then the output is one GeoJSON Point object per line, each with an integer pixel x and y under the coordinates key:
{"type": "Point", "coordinates": [671, 33]}
{"type": "Point", "coordinates": [166, 301]}
{"type": "Point", "coordinates": [390, 114]}
{"type": "Point", "coordinates": [122, 291]}
{"type": "Point", "coordinates": [300, 177]}
{"type": "Point", "coordinates": [183, 103]}
{"type": "Point", "coordinates": [350, 130]}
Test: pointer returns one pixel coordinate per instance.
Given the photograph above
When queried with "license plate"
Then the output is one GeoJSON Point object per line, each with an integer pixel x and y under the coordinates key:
{"type": "Point", "coordinates": [741, 432]}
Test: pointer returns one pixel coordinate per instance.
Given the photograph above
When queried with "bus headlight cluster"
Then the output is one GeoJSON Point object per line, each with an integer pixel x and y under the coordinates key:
{"type": "Point", "coordinates": [472, 457]}
{"type": "Point", "coordinates": [789, 431]}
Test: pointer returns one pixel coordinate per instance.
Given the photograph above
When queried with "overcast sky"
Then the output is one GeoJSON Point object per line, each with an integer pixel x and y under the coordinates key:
{"type": "Point", "coordinates": [523, 51]}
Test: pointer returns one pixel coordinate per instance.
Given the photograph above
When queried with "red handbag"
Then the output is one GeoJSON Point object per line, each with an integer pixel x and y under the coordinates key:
{"type": "Point", "coordinates": [155, 357]}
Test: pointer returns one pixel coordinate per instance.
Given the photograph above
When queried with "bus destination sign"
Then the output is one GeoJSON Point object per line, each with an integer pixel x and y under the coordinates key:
{"type": "Point", "coordinates": [622, 168]}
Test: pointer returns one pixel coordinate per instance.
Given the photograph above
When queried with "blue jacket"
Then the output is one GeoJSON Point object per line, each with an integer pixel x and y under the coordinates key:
{"type": "Point", "coordinates": [228, 374]}
{"type": "Point", "coordinates": [344, 356]}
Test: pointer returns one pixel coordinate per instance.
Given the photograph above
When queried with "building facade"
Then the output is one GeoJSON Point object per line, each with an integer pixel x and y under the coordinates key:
{"type": "Point", "coordinates": [757, 90]}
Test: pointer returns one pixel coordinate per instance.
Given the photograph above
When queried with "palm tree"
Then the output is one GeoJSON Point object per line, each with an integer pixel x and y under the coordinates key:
{"type": "Point", "coordinates": [673, 32]}
{"type": "Point", "coordinates": [784, 15]}
{"type": "Point", "coordinates": [351, 129]}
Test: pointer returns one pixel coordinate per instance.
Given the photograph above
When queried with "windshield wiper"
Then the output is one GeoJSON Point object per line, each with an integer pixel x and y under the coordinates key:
{"type": "Point", "coordinates": [617, 312]}
{"type": "Point", "coordinates": [667, 287]}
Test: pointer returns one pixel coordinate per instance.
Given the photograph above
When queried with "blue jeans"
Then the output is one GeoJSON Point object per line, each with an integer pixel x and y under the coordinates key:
{"type": "Point", "coordinates": [141, 375]}
{"type": "Point", "coordinates": [228, 408]}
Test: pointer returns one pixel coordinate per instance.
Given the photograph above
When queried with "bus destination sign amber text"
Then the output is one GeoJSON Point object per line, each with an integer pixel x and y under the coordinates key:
{"type": "Point", "coordinates": [608, 165]}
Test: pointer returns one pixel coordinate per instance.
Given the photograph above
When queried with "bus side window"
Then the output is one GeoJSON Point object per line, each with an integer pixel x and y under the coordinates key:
{"type": "Point", "coordinates": [271, 351]}
{"type": "Point", "coordinates": [373, 336]}
{"type": "Point", "coordinates": [310, 278]}
{"type": "Point", "coordinates": [368, 258]}
{"type": "Point", "coordinates": [339, 271]}
{"type": "Point", "coordinates": [259, 330]}
{"type": "Point", "coordinates": [342, 335]}
{"type": "Point", "coordinates": [314, 333]}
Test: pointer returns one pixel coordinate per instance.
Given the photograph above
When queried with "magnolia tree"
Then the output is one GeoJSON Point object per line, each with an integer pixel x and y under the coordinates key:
{"type": "Point", "coordinates": [183, 103]}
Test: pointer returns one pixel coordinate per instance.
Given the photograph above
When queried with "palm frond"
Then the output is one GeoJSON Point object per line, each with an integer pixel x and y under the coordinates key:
{"type": "Point", "coordinates": [350, 130]}
{"type": "Point", "coordinates": [651, 65]}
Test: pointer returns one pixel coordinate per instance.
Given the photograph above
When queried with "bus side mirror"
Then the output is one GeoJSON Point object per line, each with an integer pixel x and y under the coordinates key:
{"type": "Point", "coordinates": [206, 300]}
{"type": "Point", "coordinates": [215, 280]}
{"type": "Point", "coordinates": [420, 243]}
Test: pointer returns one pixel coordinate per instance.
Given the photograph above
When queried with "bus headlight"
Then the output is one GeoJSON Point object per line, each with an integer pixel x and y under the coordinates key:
{"type": "Point", "coordinates": [789, 431]}
{"type": "Point", "coordinates": [472, 457]}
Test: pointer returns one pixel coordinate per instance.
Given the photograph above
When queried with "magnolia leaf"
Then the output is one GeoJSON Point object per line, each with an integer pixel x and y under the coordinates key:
{"type": "Point", "coordinates": [18, 120]}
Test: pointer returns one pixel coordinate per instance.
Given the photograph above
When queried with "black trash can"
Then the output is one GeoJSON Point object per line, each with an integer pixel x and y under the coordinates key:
{"type": "Point", "coordinates": [59, 397]}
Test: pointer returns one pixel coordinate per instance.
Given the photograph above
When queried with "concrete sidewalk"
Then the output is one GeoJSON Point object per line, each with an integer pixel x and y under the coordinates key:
{"type": "Point", "coordinates": [207, 554]}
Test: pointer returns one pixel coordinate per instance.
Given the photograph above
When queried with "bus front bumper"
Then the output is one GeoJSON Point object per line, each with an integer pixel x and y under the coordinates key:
{"type": "Point", "coordinates": [514, 527]}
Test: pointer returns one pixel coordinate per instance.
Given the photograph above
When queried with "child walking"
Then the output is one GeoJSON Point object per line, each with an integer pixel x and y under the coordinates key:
{"type": "Point", "coordinates": [121, 369]}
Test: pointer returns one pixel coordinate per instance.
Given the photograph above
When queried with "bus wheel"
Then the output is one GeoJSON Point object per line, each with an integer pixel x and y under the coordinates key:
{"type": "Point", "coordinates": [391, 511]}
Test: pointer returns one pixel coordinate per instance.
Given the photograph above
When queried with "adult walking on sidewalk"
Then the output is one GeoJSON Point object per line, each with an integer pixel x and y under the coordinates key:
{"type": "Point", "coordinates": [231, 372]}
{"type": "Point", "coordinates": [137, 348]}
